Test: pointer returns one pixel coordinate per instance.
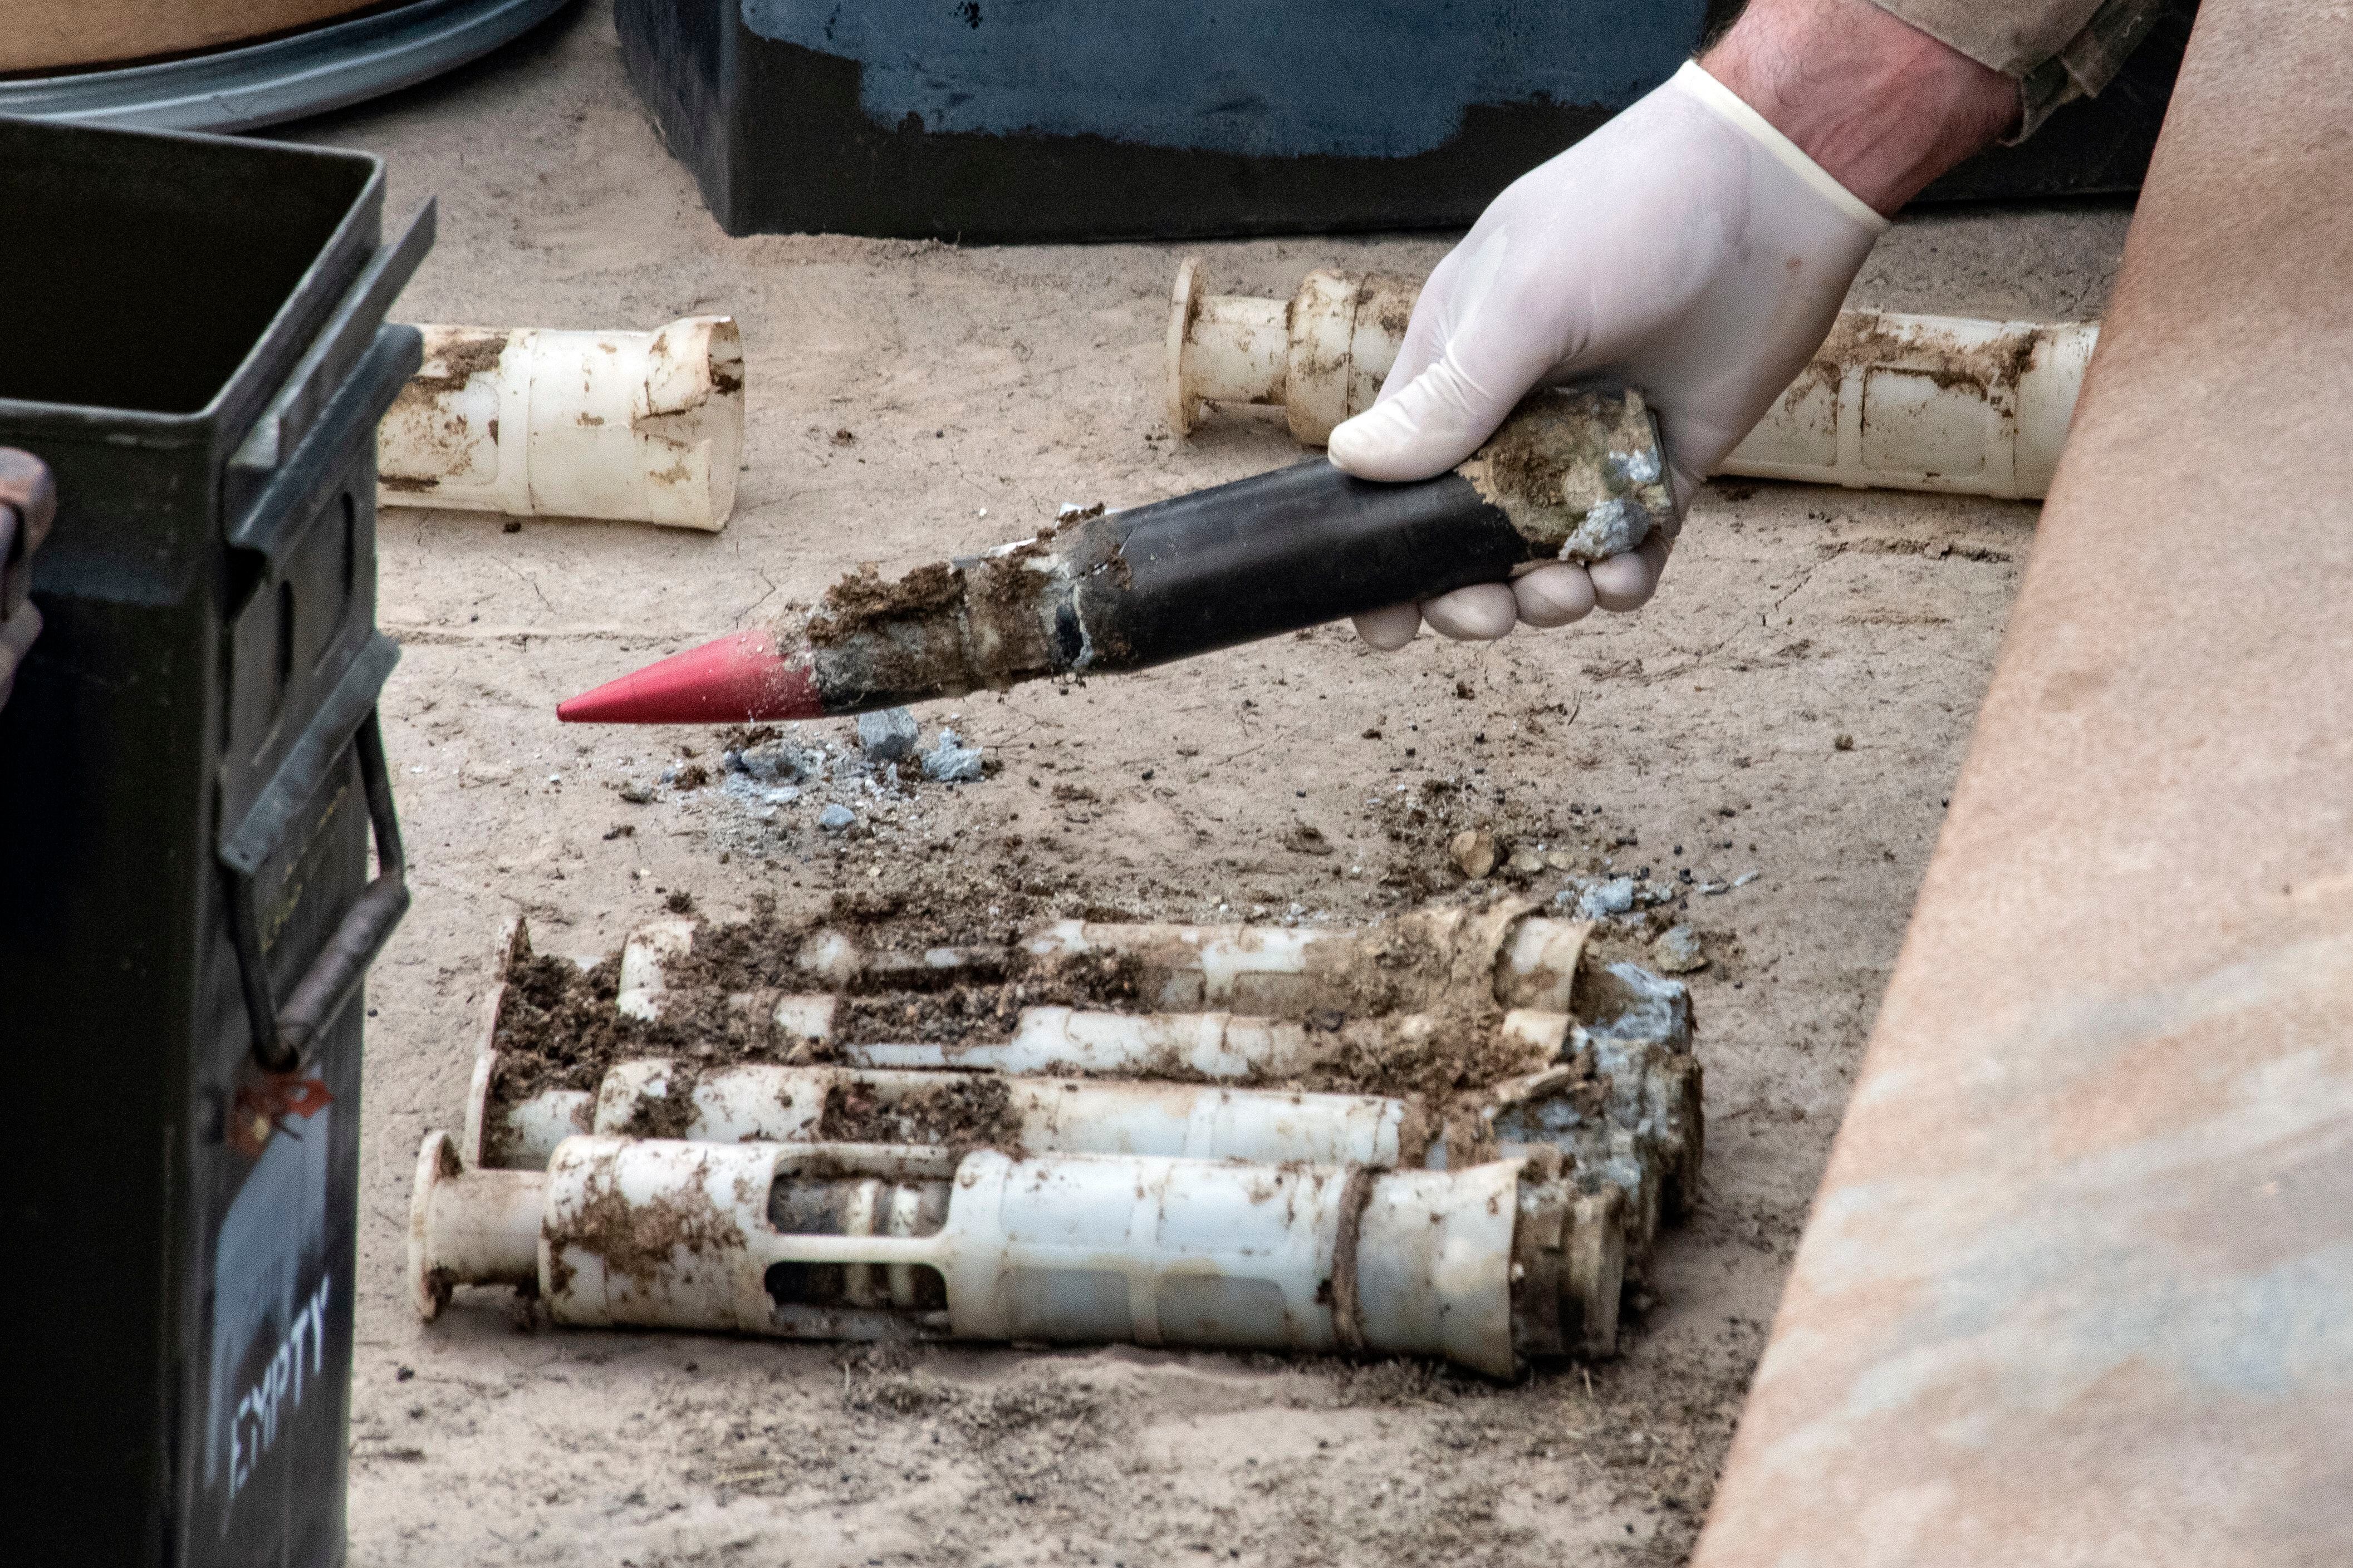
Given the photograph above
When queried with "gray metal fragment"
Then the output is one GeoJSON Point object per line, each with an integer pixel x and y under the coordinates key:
{"type": "Point", "coordinates": [1630, 1004]}
{"type": "Point", "coordinates": [887, 736]}
{"type": "Point", "coordinates": [1599, 900]}
{"type": "Point", "coordinates": [778, 762]}
{"type": "Point", "coordinates": [950, 761]}
{"type": "Point", "coordinates": [1611, 528]}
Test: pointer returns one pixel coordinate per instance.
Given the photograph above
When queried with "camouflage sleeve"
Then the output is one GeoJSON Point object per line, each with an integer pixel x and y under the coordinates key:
{"type": "Point", "coordinates": [2058, 50]}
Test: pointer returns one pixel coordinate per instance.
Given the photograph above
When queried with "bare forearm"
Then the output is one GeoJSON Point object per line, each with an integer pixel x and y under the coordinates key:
{"type": "Point", "coordinates": [1881, 105]}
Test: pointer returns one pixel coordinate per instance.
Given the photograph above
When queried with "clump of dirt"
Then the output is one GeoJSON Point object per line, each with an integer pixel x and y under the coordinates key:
{"type": "Point", "coordinates": [557, 1027]}
{"type": "Point", "coordinates": [744, 737]}
{"type": "Point", "coordinates": [961, 1112]}
{"type": "Point", "coordinates": [1420, 825]}
{"type": "Point", "coordinates": [1626, 939]}
{"type": "Point", "coordinates": [668, 1115]}
{"type": "Point", "coordinates": [1389, 298]}
{"type": "Point", "coordinates": [1562, 459]}
{"type": "Point", "coordinates": [946, 629]}
{"type": "Point", "coordinates": [1464, 1049]}
{"type": "Point", "coordinates": [641, 1240]}
{"type": "Point", "coordinates": [901, 1394]}
{"type": "Point", "coordinates": [1864, 337]}
{"type": "Point", "coordinates": [865, 599]}
{"type": "Point", "coordinates": [736, 956]}
{"type": "Point", "coordinates": [454, 356]}
{"type": "Point", "coordinates": [988, 1011]}
{"type": "Point", "coordinates": [1379, 1384]}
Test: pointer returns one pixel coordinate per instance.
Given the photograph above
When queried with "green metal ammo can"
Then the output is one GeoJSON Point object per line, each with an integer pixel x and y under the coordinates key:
{"type": "Point", "coordinates": [190, 776]}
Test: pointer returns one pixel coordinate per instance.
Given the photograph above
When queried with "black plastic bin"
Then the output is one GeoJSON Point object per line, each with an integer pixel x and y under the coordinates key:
{"type": "Point", "coordinates": [987, 123]}
{"type": "Point", "coordinates": [190, 771]}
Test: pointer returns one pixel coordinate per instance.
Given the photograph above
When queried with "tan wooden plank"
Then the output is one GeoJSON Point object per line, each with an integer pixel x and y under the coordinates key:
{"type": "Point", "coordinates": [2078, 1285]}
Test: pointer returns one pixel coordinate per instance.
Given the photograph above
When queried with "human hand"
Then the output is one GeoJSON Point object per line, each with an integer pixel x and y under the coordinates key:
{"type": "Point", "coordinates": [1688, 248]}
{"type": "Point", "coordinates": [29, 505]}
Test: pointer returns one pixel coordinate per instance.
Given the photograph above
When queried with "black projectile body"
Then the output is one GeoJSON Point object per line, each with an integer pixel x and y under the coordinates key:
{"type": "Point", "coordinates": [1573, 475]}
{"type": "Point", "coordinates": [1274, 554]}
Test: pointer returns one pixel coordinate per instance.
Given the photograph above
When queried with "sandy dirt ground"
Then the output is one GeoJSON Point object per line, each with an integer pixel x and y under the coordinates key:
{"type": "Point", "coordinates": [1793, 704]}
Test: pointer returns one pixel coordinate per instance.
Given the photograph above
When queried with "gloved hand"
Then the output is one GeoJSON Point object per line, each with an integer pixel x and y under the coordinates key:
{"type": "Point", "coordinates": [1686, 248]}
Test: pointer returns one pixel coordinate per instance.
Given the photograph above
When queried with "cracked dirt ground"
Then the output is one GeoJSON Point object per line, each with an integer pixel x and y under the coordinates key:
{"type": "Point", "coordinates": [1704, 732]}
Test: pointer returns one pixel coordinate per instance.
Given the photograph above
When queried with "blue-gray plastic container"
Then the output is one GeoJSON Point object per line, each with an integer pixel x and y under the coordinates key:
{"type": "Point", "coordinates": [986, 121]}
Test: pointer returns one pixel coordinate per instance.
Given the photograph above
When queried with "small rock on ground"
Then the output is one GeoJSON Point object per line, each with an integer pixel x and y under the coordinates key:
{"type": "Point", "coordinates": [1678, 951]}
{"type": "Point", "coordinates": [1472, 851]}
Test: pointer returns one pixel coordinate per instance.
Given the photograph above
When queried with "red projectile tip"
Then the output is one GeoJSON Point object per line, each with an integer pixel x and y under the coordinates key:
{"type": "Point", "coordinates": [739, 679]}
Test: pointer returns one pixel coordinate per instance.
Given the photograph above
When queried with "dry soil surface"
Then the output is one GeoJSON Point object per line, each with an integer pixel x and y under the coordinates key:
{"type": "Point", "coordinates": [1793, 705]}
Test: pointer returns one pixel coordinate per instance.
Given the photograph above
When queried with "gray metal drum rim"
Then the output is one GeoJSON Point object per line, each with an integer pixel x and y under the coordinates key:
{"type": "Point", "coordinates": [246, 85]}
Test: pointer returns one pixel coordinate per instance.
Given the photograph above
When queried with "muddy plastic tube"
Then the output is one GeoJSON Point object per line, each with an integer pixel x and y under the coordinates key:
{"type": "Point", "coordinates": [1572, 475]}
{"type": "Point", "coordinates": [1488, 1267]}
{"type": "Point", "coordinates": [1624, 1117]}
{"type": "Point", "coordinates": [1523, 958]}
{"type": "Point", "coordinates": [1320, 355]}
{"type": "Point", "coordinates": [522, 1134]}
{"type": "Point", "coordinates": [1055, 1043]}
{"type": "Point", "coordinates": [1627, 1106]}
{"type": "Point", "coordinates": [772, 1104]}
{"type": "Point", "coordinates": [1891, 401]}
{"type": "Point", "coordinates": [1628, 1110]}
{"type": "Point", "coordinates": [1624, 1107]}
{"type": "Point", "coordinates": [1926, 403]}
{"type": "Point", "coordinates": [1232, 1001]}
{"type": "Point", "coordinates": [830, 958]}
{"type": "Point", "coordinates": [629, 427]}
{"type": "Point", "coordinates": [1214, 1046]}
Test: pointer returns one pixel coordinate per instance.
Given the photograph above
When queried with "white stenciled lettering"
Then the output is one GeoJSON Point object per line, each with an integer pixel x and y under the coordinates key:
{"type": "Point", "coordinates": [277, 1393]}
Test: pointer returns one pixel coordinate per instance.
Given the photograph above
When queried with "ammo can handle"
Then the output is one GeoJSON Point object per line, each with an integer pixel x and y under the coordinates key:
{"type": "Point", "coordinates": [324, 989]}
{"type": "Point", "coordinates": [283, 1036]}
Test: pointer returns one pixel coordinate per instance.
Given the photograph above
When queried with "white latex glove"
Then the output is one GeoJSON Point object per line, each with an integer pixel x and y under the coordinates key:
{"type": "Point", "coordinates": [1686, 248]}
